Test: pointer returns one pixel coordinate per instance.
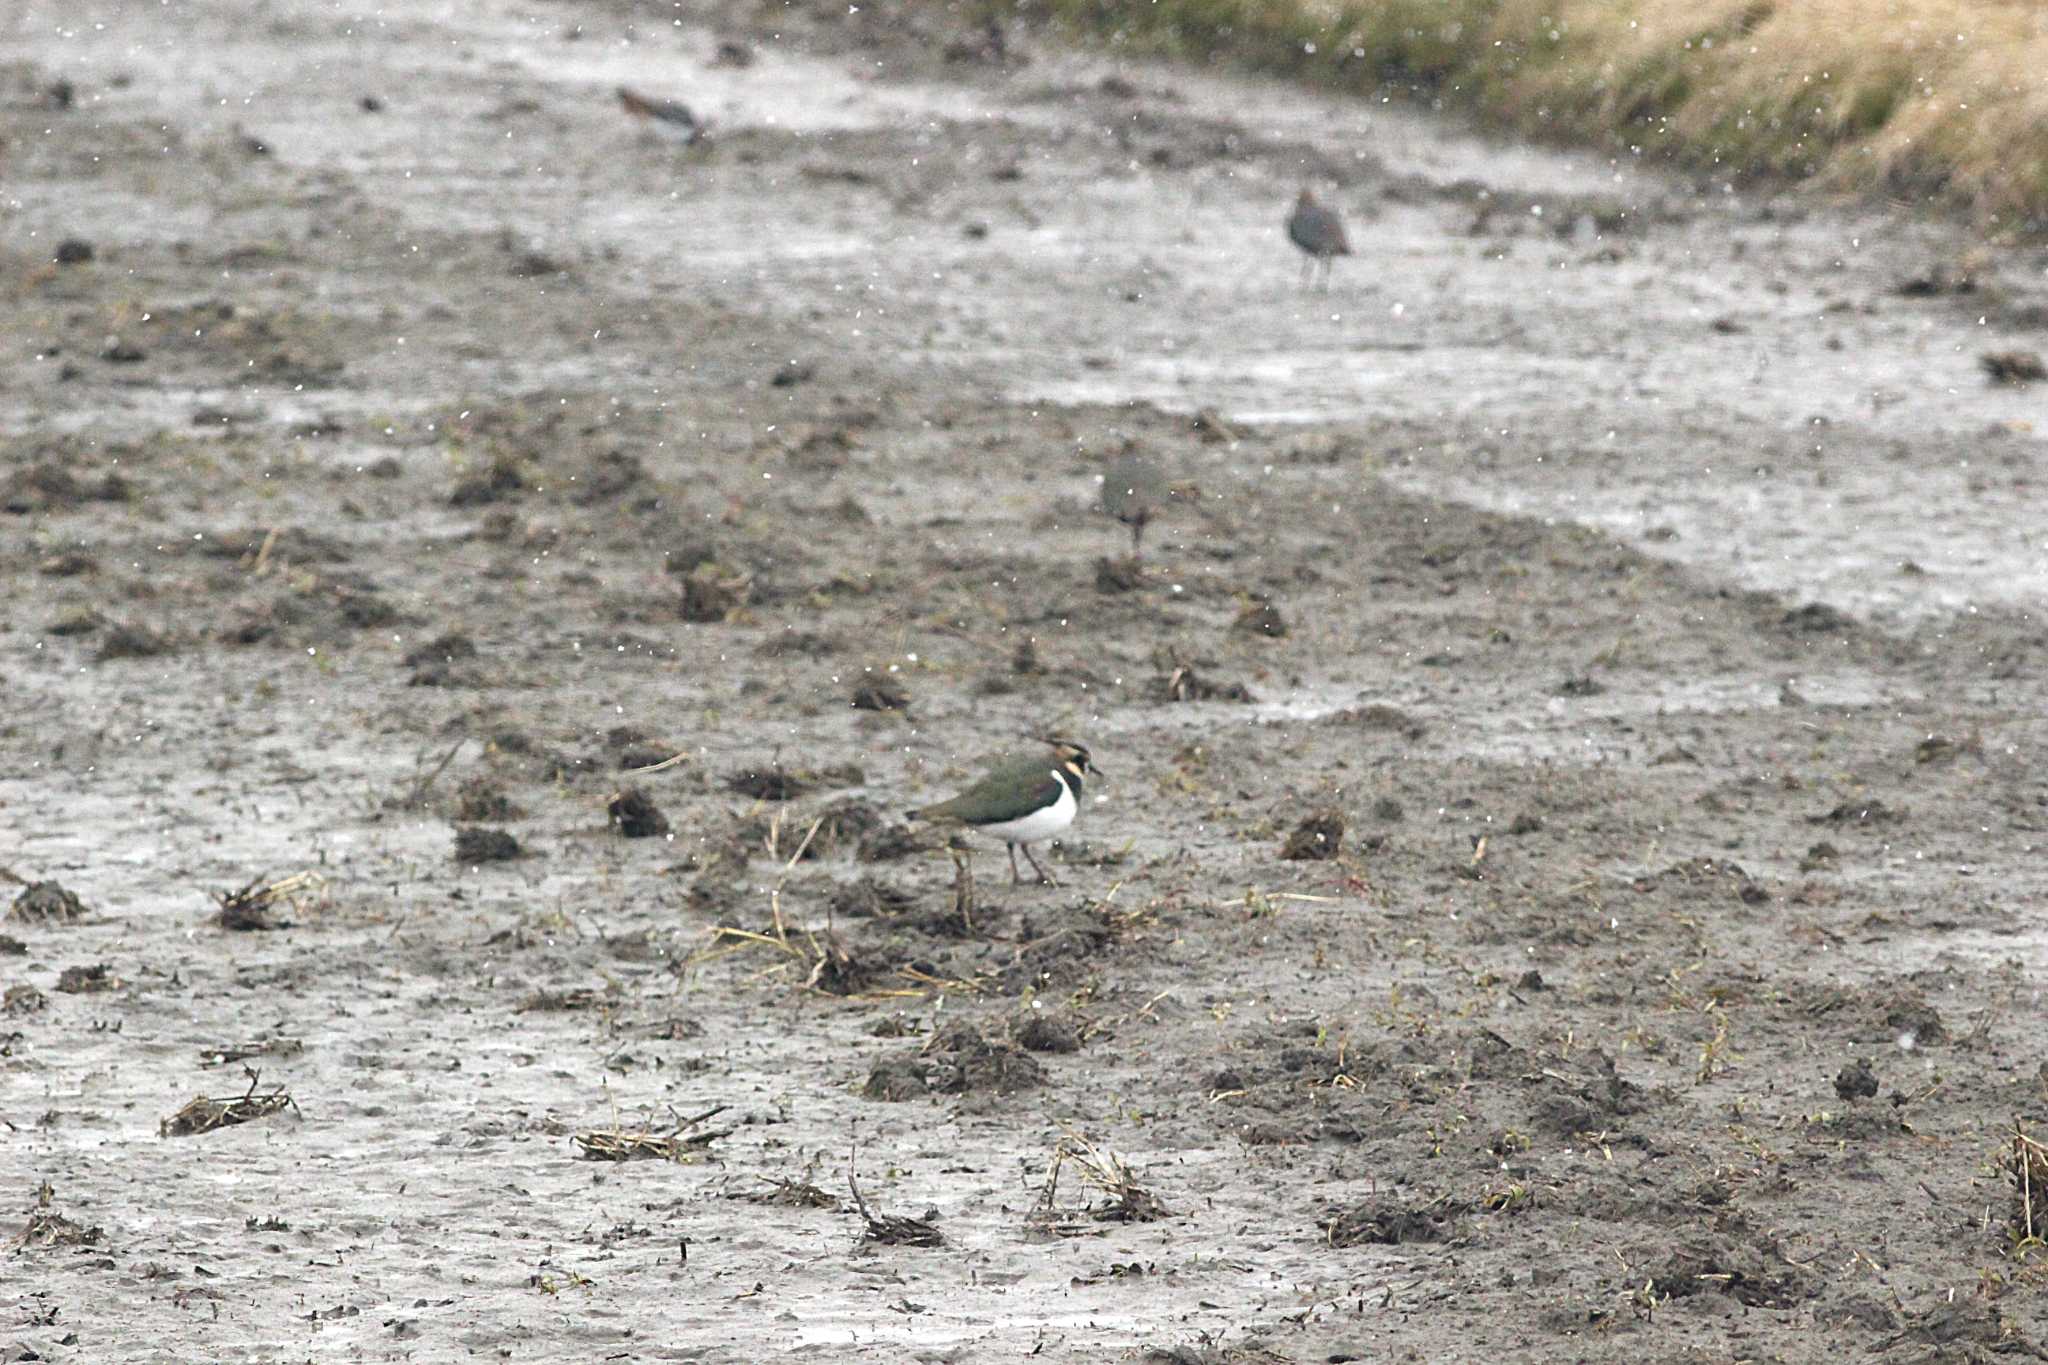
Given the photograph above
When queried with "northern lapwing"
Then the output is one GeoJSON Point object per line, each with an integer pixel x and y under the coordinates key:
{"type": "Point", "coordinates": [1319, 232]}
{"type": "Point", "coordinates": [1132, 491]}
{"type": "Point", "coordinates": [1021, 801]}
{"type": "Point", "coordinates": [670, 118]}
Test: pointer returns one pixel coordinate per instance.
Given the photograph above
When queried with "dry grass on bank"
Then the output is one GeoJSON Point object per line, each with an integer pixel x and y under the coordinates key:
{"type": "Point", "coordinates": [1939, 99]}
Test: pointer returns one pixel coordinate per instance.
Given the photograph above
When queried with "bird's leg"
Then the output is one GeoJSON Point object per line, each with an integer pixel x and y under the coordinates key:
{"type": "Point", "coordinates": [1016, 877]}
{"type": "Point", "coordinates": [1044, 878]}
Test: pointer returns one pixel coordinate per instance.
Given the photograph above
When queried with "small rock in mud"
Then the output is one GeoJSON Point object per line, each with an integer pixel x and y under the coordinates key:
{"type": "Point", "coordinates": [126, 641]}
{"type": "Point", "coordinates": [1525, 823]}
{"type": "Point", "coordinates": [1856, 1081]}
{"type": "Point", "coordinates": [611, 475]}
{"type": "Point", "coordinates": [1045, 1031]}
{"type": "Point", "coordinates": [1380, 716]}
{"type": "Point", "coordinates": [73, 251]}
{"type": "Point", "coordinates": [1388, 809]}
{"type": "Point", "coordinates": [119, 352]}
{"type": "Point", "coordinates": [1858, 813]}
{"type": "Point", "coordinates": [791, 373]}
{"type": "Point", "coordinates": [1818, 618]}
{"type": "Point", "coordinates": [46, 902]}
{"type": "Point", "coordinates": [50, 487]}
{"type": "Point", "coordinates": [635, 815]}
{"type": "Point", "coordinates": [1381, 1220]}
{"type": "Point", "coordinates": [895, 1079]}
{"type": "Point", "coordinates": [476, 844]}
{"type": "Point", "coordinates": [1316, 839]}
{"type": "Point", "coordinates": [433, 664]}
{"type": "Point", "coordinates": [1119, 575]}
{"type": "Point", "coordinates": [2013, 367]}
{"type": "Point", "coordinates": [501, 480]}
{"type": "Point", "coordinates": [1261, 618]}
{"type": "Point", "coordinates": [85, 980]}
{"type": "Point", "coordinates": [68, 564]}
{"type": "Point", "coordinates": [712, 594]}
{"type": "Point", "coordinates": [10, 946]}
{"type": "Point", "coordinates": [1581, 685]}
{"type": "Point", "coordinates": [881, 693]}
{"type": "Point", "coordinates": [732, 53]}
{"type": "Point", "coordinates": [1941, 278]}
{"type": "Point", "coordinates": [1024, 660]}
{"type": "Point", "coordinates": [75, 621]}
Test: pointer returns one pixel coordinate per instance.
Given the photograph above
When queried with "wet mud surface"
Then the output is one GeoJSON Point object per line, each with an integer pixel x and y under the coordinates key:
{"type": "Point", "coordinates": [1567, 883]}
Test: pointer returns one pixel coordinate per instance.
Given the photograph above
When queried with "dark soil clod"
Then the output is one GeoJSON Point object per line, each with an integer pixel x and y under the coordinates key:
{"type": "Point", "coordinates": [634, 814]}
{"type": "Point", "coordinates": [476, 844]}
{"type": "Point", "coordinates": [1856, 1081]}
{"type": "Point", "coordinates": [1316, 839]}
{"type": "Point", "coordinates": [87, 980]}
{"type": "Point", "coordinates": [1261, 618]}
{"type": "Point", "coordinates": [46, 902]}
{"type": "Point", "coordinates": [2013, 367]}
{"type": "Point", "coordinates": [1382, 1220]}
{"type": "Point", "coordinates": [881, 694]}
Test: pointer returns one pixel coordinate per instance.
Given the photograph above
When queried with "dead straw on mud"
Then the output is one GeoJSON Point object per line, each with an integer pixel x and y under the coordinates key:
{"type": "Point", "coordinates": [1104, 1170]}
{"type": "Point", "coordinates": [2027, 1161]}
{"type": "Point", "coordinates": [677, 1144]}
{"type": "Point", "coordinates": [888, 1229]}
{"type": "Point", "coordinates": [205, 1114]}
{"type": "Point", "coordinates": [251, 907]}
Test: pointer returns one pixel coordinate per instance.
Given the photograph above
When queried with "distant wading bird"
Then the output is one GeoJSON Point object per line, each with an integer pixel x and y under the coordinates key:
{"type": "Point", "coordinates": [1132, 491]}
{"type": "Point", "coordinates": [1021, 801]}
{"type": "Point", "coordinates": [1319, 232]}
{"type": "Point", "coordinates": [670, 118]}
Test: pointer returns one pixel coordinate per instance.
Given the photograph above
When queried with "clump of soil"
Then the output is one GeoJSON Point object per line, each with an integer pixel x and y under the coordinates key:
{"type": "Point", "coordinates": [1183, 683]}
{"type": "Point", "coordinates": [888, 844]}
{"type": "Point", "coordinates": [1383, 1220]}
{"type": "Point", "coordinates": [1856, 1081]}
{"type": "Point", "coordinates": [45, 902]}
{"type": "Point", "coordinates": [480, 801]}
{"type": "Point", "coordinates": [1261, 618]}
{"type": "Point", "coordinates": [870, 898]}
{"type": "Point", "coordinates": [23, 999]}
{"type": "Point", "coordinates": [1048, 1031]}
{"type": "Point", "coordinates": [786, 784]}
{"type": "Point", "coordinates": [127, 641]}
{"type": "Point", "coordinates": [634, 814]}
{"type": "Point", "coordinates": [712, 593]}
{"type": "Point", "coordinates": [498, 481]}
{"type": "Point", "coordinates": [1119, 575]}
{"type": "Point", "coordinates": [2013, 367]}
{"type": "Point", "coordinates": [1316, 839]}
{"type": "Point", "coordinates": [476, 844]}
{"type": "Point", "coordinates": [963, 1060]}
{"type": "Point", "coordinates": [881, 694]}
{"type": "Point", "coordinates": [434, 663]}
{"type": "Point", "coordinates": [893, 1079]}
{"type": "Point", "coordinates": [87, 980]}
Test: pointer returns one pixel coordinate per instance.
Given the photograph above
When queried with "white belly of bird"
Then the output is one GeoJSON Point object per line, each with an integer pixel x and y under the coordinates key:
{"type": "Point", "coordinates": [1040, 824]}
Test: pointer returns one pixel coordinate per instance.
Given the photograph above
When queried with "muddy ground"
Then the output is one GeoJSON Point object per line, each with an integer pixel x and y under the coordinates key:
{"type": "Point", "coordinates": [1642, 574]}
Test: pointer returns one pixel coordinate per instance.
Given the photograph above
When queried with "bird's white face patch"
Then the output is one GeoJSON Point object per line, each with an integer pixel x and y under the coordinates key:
{"type": "Point", "coordinates": [1040, 824]}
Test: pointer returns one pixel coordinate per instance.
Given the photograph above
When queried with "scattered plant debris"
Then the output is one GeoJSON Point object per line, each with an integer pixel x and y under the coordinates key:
{"type": "Point", "coordinates": [251, 907]}
{"type": "Point", "coordinates": [88, 980]}
{"type": "Point", "coordinates": [888, 1229]}
{"type": "Point", "coordinates": [2013, 367]}
{"type": "Point", "coordinates": [204, 1114]}
{"type": "Point", "coordinates": [674, 1145]}
{"type": "Point", "coordinates": [1128, 1201]}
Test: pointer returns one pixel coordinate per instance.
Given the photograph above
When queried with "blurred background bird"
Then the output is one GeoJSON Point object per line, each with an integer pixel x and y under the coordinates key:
{"type": "Point", "coordinates": [1132, 491]}
{"type": "Point", "coordinates": [670, 118]}
{"type": "Point", "coordinates": [1319, 232]}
